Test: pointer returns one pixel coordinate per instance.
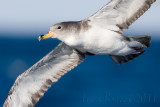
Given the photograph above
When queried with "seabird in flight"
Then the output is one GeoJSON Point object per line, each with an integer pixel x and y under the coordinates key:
{"type": "Point", "coordinates": [101, 33]}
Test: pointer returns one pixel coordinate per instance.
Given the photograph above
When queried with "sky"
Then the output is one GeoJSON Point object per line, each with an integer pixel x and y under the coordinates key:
{"type": "Point", "coordinates": [37, 16]}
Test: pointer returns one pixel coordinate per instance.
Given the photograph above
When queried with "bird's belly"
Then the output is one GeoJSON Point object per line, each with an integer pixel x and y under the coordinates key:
{"type": "Point", "coordinates": [98, 48]}
{"type": "Point", "coordinates": [103, 42]}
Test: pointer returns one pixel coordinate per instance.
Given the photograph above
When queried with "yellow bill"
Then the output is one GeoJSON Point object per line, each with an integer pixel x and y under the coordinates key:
{"type": "Point", "coordinates": [46, 36]}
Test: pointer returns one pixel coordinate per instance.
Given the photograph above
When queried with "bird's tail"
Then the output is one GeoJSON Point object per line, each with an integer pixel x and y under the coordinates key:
{"type": "Point", "coordinates": [144, 40]}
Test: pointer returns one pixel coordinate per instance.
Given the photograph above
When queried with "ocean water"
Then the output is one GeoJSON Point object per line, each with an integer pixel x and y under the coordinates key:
{"type": "Point", "coordinates": [97, 82]}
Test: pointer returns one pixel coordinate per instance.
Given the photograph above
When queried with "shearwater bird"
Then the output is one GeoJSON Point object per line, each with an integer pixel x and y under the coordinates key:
{"type": "Point", "coordinates": [101, 33]}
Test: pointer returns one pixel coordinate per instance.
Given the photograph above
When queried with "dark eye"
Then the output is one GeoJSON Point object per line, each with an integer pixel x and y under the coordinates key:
{"type": "Point", "coordinates": [59, 27]}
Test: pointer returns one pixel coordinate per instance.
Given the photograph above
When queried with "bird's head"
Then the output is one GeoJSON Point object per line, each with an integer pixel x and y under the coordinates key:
{"type": "Point", "coordinates": [62, 30]}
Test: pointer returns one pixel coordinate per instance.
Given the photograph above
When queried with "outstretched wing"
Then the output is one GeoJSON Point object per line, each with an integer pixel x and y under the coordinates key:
{"type": "Point", "coordinates": [120, 13]}
{"type": "Point", "coordinates": [30, 86]}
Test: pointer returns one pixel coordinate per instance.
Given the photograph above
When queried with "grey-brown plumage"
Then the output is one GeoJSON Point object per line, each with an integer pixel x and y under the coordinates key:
{"type": "Point", "coordinates": [137, 14]}
{"type": "Point", "coordinates": [30, 86]}
{"type": "Point", "coordinates": [145, 40]}
{"type": "Point", "coordinates": [122, 8]}
{"type": "Point", "coordinates": [124, 59]}
{"type": "Point", "coordinates": [74, 26]}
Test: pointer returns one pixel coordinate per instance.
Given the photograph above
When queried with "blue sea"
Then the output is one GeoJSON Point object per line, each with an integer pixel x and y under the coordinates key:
{"type": "Point", "coordinates": [97, 82]}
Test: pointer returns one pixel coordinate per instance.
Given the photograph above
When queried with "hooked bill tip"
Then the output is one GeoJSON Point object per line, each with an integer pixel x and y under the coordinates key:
{"type": "Point", "coordinates": [40, 37]}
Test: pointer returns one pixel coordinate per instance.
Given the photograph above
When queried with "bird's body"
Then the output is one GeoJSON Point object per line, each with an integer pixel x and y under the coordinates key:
{"type": "Point", "coordinates": [101, 33]}
{"type": "Point", "coordinates": [99, 40]}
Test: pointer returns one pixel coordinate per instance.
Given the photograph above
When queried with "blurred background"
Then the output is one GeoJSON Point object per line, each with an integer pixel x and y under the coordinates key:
{"type": "Point", "coordinates": [98, 81]}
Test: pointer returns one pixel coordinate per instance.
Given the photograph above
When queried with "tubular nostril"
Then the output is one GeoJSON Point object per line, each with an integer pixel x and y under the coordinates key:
{"type": "Point", "coordinates": [41, 35]}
